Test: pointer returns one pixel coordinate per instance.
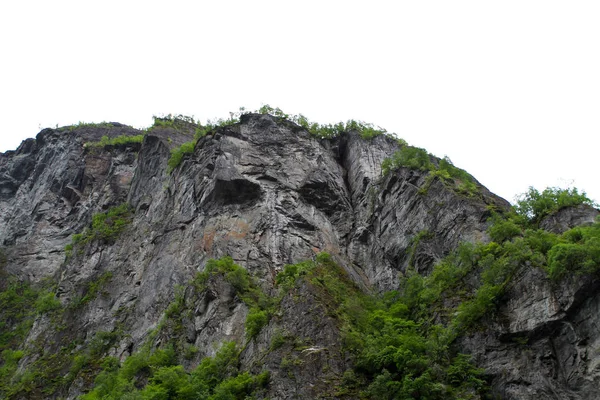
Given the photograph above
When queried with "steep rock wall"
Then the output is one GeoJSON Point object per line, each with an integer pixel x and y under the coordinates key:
{"type": "Point", "coordinates": [267, 194]}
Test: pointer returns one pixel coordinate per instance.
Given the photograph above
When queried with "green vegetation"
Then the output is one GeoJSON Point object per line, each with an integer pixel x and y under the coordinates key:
{"type": "Point", "coordinates": [81, 124]}
{"type": "Point", "coordinates": [326, 131]}
{"type": "Point", "coordinates": [177, 122]}
{"type": "Point", "coordinates": [535, 205]}
{"type": "Point", "coordinates": [261, 306]}
{"type": "Point", "coordinates": [461, 180]}
{"type": "Point", "coordinates": [401, 342]}
{"type": "Point", "coordinates": [116, 141]}
{"type": "Point", "coordinates": [91, 290]}
{"type": "Point", "coordinates": [46, 302]}
{"type": "Point", "coordinates": [185, 125]}
{"type": "Point", "coordinates": [16, 314]}
{"type": "Point", "coordinates": [409, 157]}
{"type": "Point", "coordinates": [106, 227]}
{"type": "Point", "coordinates": [398, 352]}
{"type": "Point", "coordinates": [419, 159]}
{"type": "Point", "coordinates": [576, 251]}
{"type": "Point", "coordinates": [178, 153]}
{"type": "Point", "coordinates": [20, 303]}
{"type": "Point", "coordinates": [154, 375]}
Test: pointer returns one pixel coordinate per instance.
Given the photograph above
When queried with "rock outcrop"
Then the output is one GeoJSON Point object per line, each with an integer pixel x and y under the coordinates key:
{"type": "Point", "coordinates": [267, 193]}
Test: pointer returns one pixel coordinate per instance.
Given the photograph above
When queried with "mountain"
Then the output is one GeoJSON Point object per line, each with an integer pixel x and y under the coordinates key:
{"type": "Point", "coordinates": [257, 258]}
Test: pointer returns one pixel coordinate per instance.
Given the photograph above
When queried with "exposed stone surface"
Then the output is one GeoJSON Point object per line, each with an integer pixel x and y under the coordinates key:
{"type": "Point", "coordinates": [544, 342]}
{"type": "Point", "coordinates": [267, 194]}
{"type": "Point", "coordinates": [569, 217]}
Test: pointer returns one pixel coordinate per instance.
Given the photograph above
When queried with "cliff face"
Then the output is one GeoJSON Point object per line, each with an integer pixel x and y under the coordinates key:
{"type": "Point", "coordinates": [267, 194]}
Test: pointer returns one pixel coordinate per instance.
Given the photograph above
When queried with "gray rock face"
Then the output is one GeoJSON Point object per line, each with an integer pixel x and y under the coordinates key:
{"type": "Point", "coordinates": [544, 342]}
{"type": "Point", "coordinates": [267, 194]}
{"type": "Point", "coordinates": [569, 217]}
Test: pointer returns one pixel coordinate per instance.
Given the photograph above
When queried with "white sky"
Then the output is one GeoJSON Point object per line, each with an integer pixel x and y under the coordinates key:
{"type": "Point", "coordinates": [509, 90]}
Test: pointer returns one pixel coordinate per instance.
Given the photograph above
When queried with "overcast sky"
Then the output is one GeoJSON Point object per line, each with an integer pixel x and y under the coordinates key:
{"type": "Point", "coordinates": [509, 90]}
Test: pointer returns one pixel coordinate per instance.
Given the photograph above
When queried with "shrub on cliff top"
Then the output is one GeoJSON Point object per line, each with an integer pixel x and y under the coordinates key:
{"type": "Point", "coordinates": [535, 205]}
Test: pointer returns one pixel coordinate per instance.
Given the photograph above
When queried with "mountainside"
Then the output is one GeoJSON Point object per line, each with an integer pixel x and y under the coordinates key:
{"type": "Point", "coordinates": [261, 255]}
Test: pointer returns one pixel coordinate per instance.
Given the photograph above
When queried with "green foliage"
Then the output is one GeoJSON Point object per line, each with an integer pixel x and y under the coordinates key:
{"type": "Point", "coordinates": [323, 131]}
{"type": "Point", "coordinates": [535, 205]}
{"type": "Point", "coordinates": [16, 320]}
{"type": "Point", "coordinates": [275, 111]}
{"type": "Point", "coordinates": [10, 359]}
{"type": "Point", "coordinates": [178, 153]}
{"type": "Point", "coordinates": [326, 131]}
{"type": "Point", "coordinates": [20, 303]}
{"type": "Point", "coordinates": [577, 251]}
{"type": "Point", "coordinates": [277, 340]}
{"type": "Point", "coordinates": [185, 125]}
{"type": "Point", "coordinates": [255, 321]}
{"type": "Point", "coordinates": [116, 141]}
{"type": "Point", "coordinates": [417, 158]}
{"type": "Point", "coordinates": [177, 122]}
{"type": "Point", "coordinates": [462, 180]}
{"type": "Point", "coordinates": [503, 229]}
{"type": "Point", "coordinates": [91, 290]}
{"type": "Point", "coordinates": [47, 302]}
{"type": "Point", "coordinates": [398, 352]}
{"type": "Point", "coordinates": [408, 157]}
{"type": "Point", "coordinates": [16, 313]}
{"type": "Point", "coordinates": [214, 378]}
{"type": "Point", "coordinates": [106, 227]}
{"type": "Point", "coordinates": [246, 287]}
{"type": "Point", "coordinates": [286, 279]}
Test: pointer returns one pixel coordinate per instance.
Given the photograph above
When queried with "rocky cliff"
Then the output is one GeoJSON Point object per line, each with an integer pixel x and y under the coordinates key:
{"type": "Point", "coordinates": [266, 193]}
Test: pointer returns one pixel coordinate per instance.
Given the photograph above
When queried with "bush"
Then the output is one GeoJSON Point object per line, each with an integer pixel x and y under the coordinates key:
{"type": "Point", "coordinates": [246, 287]}
{"type": "Point", "coordinates": [503, 229]}
{"type": "Point", "coordinates": [417, 158]}
{"type": "Point", "coordinates": [326, 131]}
{"type": "Point", "coordinates": [176, 122]}
{"type": "Point", "coordinates": [106, 227]}
{"type": "Point", "coordinates": [463, 181]}
{"type": "Point", "coordinates": [178, 153]}
{"type": "Point", "coordinates": [408, 157]}
{"type": "Point", "coordinates": [47, 302]}
{"type": "Point", "coordinates": [255, 321]}
{"type": "Point", "coordinates": [578, 253]}
{"type": "Point", "coordinates": [535, 205]}
{"type": "Point", "coordinates": [214, 378]}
